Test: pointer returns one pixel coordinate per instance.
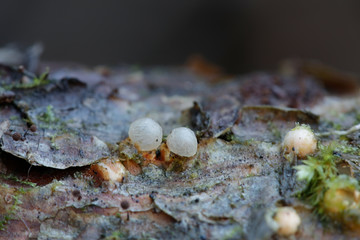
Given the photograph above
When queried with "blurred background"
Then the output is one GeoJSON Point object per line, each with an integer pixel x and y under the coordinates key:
{"type": "Point", "coordinates": [240, 36]}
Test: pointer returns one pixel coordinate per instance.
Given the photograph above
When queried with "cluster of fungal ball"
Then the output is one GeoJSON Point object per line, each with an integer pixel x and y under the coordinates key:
{"type": "Point", "coordinates": [146, 135]}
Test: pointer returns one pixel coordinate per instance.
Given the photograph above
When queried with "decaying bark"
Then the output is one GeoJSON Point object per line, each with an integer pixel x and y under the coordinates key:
{"type": "Point", "coordinates": [50, 191]}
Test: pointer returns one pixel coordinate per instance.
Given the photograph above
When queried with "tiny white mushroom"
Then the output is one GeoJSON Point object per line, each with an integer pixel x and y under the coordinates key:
{"type": "Point", "coordinates": [300, 140]}
{"type": "Point", "coordinates": [182, 141]}
{"type": "Point", "coordinates": [287, 220]}
{"type": "Point", "coordinates": [146, 134]}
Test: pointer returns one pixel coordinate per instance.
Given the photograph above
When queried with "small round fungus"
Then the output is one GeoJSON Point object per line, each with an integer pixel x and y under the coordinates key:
{"type": "Point", "coordinates": [288, 221]}
{"type": "Point", "coordinates": [146, 134]}
{"type": "Point", "coordinates": [182, 141]}
{"type": "Point", "coordinates": [300, 140]}
{"type": "Point", "coordinates": [16, 136]}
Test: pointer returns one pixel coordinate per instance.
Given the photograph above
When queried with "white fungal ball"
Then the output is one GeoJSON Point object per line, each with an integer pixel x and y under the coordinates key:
{"type": "Point", "coordinates": [146, 134]}
{"type": "Point", "coordinates": [288, 221]}
{"type": "Point", "coordinates": [300, 140]}
{"type": "Point", "coordinates": [182, 141]}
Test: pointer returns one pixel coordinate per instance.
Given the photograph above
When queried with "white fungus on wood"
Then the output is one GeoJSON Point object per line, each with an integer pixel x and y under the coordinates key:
{"type": "Point", "coordinates": [182, 141]}
{"type": "Point", "coordinates": [145, 134]}
{"type": "Point", "coordinates": [300, 140]}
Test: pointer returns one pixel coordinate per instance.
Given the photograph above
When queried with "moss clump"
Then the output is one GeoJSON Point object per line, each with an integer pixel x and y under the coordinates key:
{"type": "Point", "coordinates": [48, 117]}
{"type": "Point", "coordinates": [344, 147]}
{"type": "Point", "coordinates": [49, 120]}
{"type": "Point", "coordinates": [37, 81]}
{"type": "Point", "coordinates": [330, 194]}
{"type": "Point", "coordinates": [316, 171]}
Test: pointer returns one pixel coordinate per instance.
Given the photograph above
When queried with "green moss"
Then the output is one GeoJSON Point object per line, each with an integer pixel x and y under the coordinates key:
{"type": "Point", "coordinates": [325, 189]}
{"type": "Point", "coordinates": [48, 117]}
{"type": "Point", "coordinates": [316, 171]}
{"type": "Point", "coordinates": [337, 126]}
{"type": "Point", "coordinates": [344, 147]}
{"type": "Point", "coordinates": [10, 214]}
{"type": "Point", "coordinates": [117, 235]}
{"type": "Point", "coordinates": [16, 179]}
{"type": "Point", "coordinates": [37, 81]}
{"type": "Point", "coordinates": [5, 221]}
{"type": "Point", "coordinates": [343, 182]}
{"type": "Point", "coordinates": [49, 120]}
